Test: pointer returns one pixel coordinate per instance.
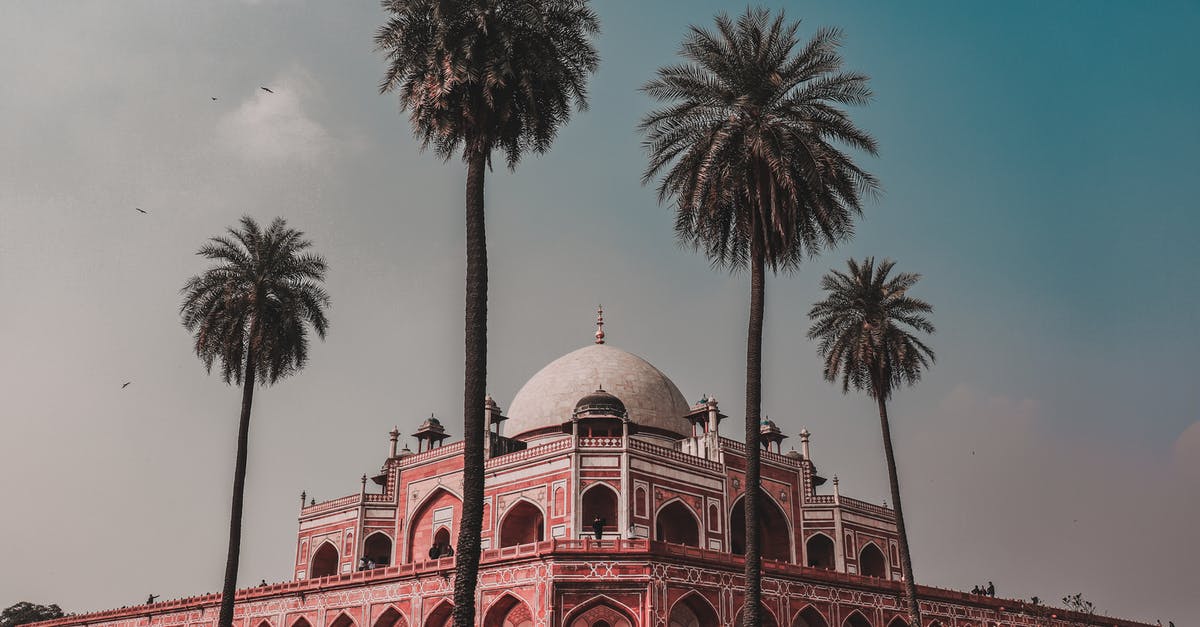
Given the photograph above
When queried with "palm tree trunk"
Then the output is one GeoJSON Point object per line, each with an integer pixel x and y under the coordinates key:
{"type": "Point", "coordinates": [474, 391]}
{"type": "Point", "coordinates": [225, 618]}
{"type": "Point", "coordinates": [910, 586]}
{"type": "Point", "coordinates": [751, 615]}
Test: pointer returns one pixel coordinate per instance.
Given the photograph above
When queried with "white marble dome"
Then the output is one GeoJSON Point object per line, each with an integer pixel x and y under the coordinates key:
{"type": "Point", "coordinates": [546, 401]}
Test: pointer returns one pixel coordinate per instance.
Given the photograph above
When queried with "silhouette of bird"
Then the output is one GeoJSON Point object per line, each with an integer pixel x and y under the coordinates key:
{"type": "Point", "coordinates": [126, 384]}
{"type": "Point", "coordinates": [214, 97]}
{"type": "Point", "coordinates": [140, 209]}
{"type": "Point", "coordinates": [266, 90]}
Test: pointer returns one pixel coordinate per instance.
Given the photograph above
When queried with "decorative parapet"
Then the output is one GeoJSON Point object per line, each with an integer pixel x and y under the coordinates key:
{"type": "Point", "coordinates": [612, 441]}
{"type": "Point", "coordinates": [529, 453]}
{"type": "Point", "coordinates": [740, 447]}
{"type": "Point", "coordinates": [674, 455]}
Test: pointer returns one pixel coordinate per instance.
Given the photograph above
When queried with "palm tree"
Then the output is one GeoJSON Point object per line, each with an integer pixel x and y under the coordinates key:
{"type": "Point", "coordinates": [252, 311]}
{"type": "Point", "coordinates": [863, 327]}
{"type": "Point", "coordinates": [484, 75]}
{"type": "Point", "coordinates": [748, 150]}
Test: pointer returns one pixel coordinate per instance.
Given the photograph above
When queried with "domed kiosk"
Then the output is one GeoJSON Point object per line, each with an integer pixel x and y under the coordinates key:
{"type": "Point", "coordinates": [549, 398]}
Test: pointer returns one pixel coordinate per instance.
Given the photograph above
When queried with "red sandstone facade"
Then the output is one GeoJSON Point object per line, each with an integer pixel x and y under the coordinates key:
{"type": "Point", "coordinates": [668, 488]}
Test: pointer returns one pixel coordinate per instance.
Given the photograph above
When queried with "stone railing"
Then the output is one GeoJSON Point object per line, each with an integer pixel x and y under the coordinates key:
{"type": "Point", "coordinates": [820, 499]}
{"type": "Point", "coordinates": [740, 447]}
{"type": "Point", "coordinates": [450, 449]}
{"type": "Point", "coordinates": [674, 455]}
{"type": "Point", "coordinates": [863, 506]}
{"type": "Point", "coordinates": [332, 504]}
{"type": "Point", "coordinates": [529, 453]}
{"type": "Point", "coordinates": [606, 441]}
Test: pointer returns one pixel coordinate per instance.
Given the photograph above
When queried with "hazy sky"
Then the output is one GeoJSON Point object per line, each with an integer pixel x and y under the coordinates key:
{"type": "Point", "coordinates": [1039, 161]}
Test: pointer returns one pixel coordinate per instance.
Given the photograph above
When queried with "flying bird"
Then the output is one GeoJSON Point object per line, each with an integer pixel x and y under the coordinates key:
{"type": "Point", "coordinates": [214, 98]}
{"type": "Point", "coordinates": [126, 384]}
{"type": "Point", "coordinates": [266, 89]}
{"type": "Point", "coordinates": [140, 209]}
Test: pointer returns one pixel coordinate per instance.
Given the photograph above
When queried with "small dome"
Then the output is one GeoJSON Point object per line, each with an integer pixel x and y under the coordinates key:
{"type": "Point", "coordinates": [600, 403]}
{"type": "Point", "coordinates": [794, 454]}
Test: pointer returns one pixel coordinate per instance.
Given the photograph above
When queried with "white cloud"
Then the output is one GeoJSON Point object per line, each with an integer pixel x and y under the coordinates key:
{"type": "Point", "coordinates": [277, 128]}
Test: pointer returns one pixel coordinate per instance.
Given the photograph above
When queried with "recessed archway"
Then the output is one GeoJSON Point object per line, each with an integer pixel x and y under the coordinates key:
{"type": "Point", "coordinates": [441, 509]}
{"type": "Point", "coordinates": [871, 562]}
{"type": "Point", "coordinates": [600, 501]}
{"type": "Point", "coordinates": [324, 561]}
{"type": "Point", "coordinates": [391, 618]}
{"type": "Point", "coordinates": [378, 548]}
{"type": "Point", "coordinates": [676, 523]}
{"type": "Point", "coordinates": [898, 621]}
{"type": "Point", "coordinates": [508, 611]}
{"type": "Point", "coordinates": [809, 617]}
{"type": "Point", "coordinates": [301, 622]}
{"type": "Point", "coordinates": [768, 617]}
{"type": "Point", "coordinates": [342, 620]}
{"type": "Point", "coordinates": [523, 523]}
{"type": "Point", "coordinates": [856, 619]}
{"type": "Point", "coordinates": [819, 550]}
{"type": "Point", "coordinates": [773, 529]}
{"type": "Point", "coordinates": [599, 612]}
{"type": "Point", "coordinates": [441, 615]}
{"type": "Point", "coordinates": [693, 610]}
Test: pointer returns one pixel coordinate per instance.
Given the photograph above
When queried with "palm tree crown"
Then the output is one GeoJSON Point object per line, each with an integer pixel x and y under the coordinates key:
{"type": "Point", "coordinates": [863, 326]}
{"type": "Point", "coordinates": [261, 296]}
{"type": "Point", "coordinates": [748, 146]}
{"type": "Point", "coordinates": [484, 74]}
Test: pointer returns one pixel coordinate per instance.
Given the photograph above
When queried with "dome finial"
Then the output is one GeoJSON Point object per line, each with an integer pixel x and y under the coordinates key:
{"type": "Point", "coordinates": [600, 324]}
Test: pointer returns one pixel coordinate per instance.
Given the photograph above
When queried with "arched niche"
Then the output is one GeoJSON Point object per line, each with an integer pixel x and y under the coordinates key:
{"type": "Point", "coordinates": [676, 523]}
{"type": "Point", "coordinates": [773, 528]}
{"type": "Point", "coordinates": [440, 511]}
{"type": "Point", "coordinates": [856, 619]}
{"type": "Point", "coordinates": [523, 523]}
{"type": "Point", "coordinates": [809, 617]}
{"type": "Point", "coordinates": [871, 562]}
{"type": "Point", "coordinates": [599, 612]}
{"type": "Point", "coordinates": [508, 611]}
{"type": "Point", "coordinates": [820, 552]}
{"type": "Point", "coordinates": [342, 620]}
{"type": "Point", "coordinates": [693, 610]}
{"type": "Point", "coordinates": [391, 617]}
{"type": "Point", "coordinates": [378, 548]}
{"type": "Point", "coordinates": [441, 615]}
{"type": "Point", "coordinates": [324, 561]}
{"type": "Point", "coordinates": [599, 500]}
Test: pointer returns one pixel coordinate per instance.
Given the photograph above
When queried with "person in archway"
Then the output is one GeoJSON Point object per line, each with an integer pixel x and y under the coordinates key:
{"type": "Point", "coordinates": [435, 551]}
{"type": "Point", "coordinates": [598, 527]}
{"type": "Point", "coordinates": [991, 589]}
{"type": "Point", "coordinates": [447, 550]}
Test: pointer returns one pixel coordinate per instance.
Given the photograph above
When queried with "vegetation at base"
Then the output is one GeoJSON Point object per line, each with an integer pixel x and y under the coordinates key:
{"type": "Point", "coordinates": [26, 612]}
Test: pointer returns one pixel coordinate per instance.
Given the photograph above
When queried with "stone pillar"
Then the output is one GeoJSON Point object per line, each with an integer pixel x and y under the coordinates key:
{"type": "Point", "coordinates": [804, 435]}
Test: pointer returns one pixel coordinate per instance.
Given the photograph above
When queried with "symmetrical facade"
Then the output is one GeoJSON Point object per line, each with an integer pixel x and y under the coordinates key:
{"type": "Point", "coordinates": [610, 501]}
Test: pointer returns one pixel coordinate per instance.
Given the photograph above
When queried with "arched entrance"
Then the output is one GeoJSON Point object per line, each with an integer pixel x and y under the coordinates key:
{"type": "Point", "coordinates": [343, 620]}
{"type": "Point", "coordinates": [768, 618]}
{"type": "Point", "coordinates": [324, 561]}
{"type": "Point", "coordinates": [772, 528]}
{"type": "Point", "coordinates": [508, 611]}
{"type": "Point", "coordinates": [440, 512]}
{"type": "Point", "coordinates": [523, 523]}
{"type": "Point", "coordinates": [391, 618]}
{"type": "Point", "coordinates": [693, 610]}
{"type": "Point", "coordinates": [441, 615]}
{"type": "Point", "coordinates": [676, 523]}
{"type": "Point", "coordinates": [820, 551]}
{"type": "Point", "coordinates": [856, 619]}
{"type": "Point", "coordinates": [600, 501]}
{"type": "Point", "coordinates": [378, 548]}
{"type": "Point", "coordinates": [898, 621]}
{"type": "Point", "coordinates": [600, 613]}
{"type": "Point", "coordinates": [871, 562]}
{"type": "Point", "coordinates": [809, 617]}
{"type": "Point", "coordinates": [301, 622]}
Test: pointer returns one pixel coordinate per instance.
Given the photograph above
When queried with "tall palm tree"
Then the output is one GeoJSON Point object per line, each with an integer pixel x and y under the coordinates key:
{"type": "Point", "coordinates": [251, 311]}
{"type": "Point", "coordinates": [484, 75]}
{"type": "Point", "coordinates": [865, 339]}
{"type": "Point", "coordinates": [750, 147]}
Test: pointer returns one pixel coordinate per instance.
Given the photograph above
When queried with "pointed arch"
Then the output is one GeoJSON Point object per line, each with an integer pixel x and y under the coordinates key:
{"type": "Point", "coordinates": [768, 617]}
{"type": "Point", "coordinates": [428, 518]}
{"type": "Point", "coordinates": [871, 561]}
{"type": "Point", "coordinates": [378, 548]}
{"type": "Point", "coordinates": [508, 611]}
{"type": "Point", "coordinates": [264, 623]}
{"type": "Point", "coordinates": [598, 610]}
{"type": "Point", "coordinates": [819, 551]}
{"type": "Point", "coordinates": [391, 617]}
{"type": "Point", "coordinates": [676, 523]}
{"type": "Point", "coordinates": [897, 621]}
{"type": "Point", "coordinates": [325, 561]}
{"type": "Point", "coordinates": [600, 500]}
{"type": "Point", "coordinates": [343, 620]}
{"type": "Point", "coordinates": [301, 622]}
{"type": "Point", "coordinates": [809, 617]}
{"type": "Point", "coordinates": [935, 623]}
{"type": "Point", "coordinates": [440, 615]}
{"type": "Point", "coordinates": [775, 529]}
{"type": "Point", "coordinates": [523, 522]}
{"type": "Point", "coordinates": [693, 610]}
{"type": "Point", "coordinates": [856, 619]}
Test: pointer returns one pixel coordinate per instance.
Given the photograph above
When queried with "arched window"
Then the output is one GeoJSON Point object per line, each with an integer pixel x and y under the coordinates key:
{"type": "Point", "coordinates": [820, 551]}
{"type": "Point", "coordinates": [809, 617]}
{"type": "Point", "coordinates": [440, 511]}
{"type": "Point", "coordinates": [378, 548]}
{"type": "Point", "coordinates": [324, 562]}
{"type": "Point", "coordinates": [442, 539]}
{"type": "Point", "coordinates": [898, 622]}
{"type": "Point", "coordinates": [343, 620]}
{"type": "Point", "coordinates": [773, 532]}
{"type": "Point", "coordinates": [508, 611]}
{"type": "Point", "coordinates": [301, 622]}
{"type": "Point", "coordinates": [523, 523]}
{"type": "Point", "coordinates": [391, 618]}
{"type": "Point", "coordinates": [871, 562]}
{"type": "Point", "coordinates": [768, 619]}
{"type": "Point", "coordinates": [599, 613]}
{"type": "Point", "coordinates": [693, 610]}
{"type": "Point", "coordinates": [441, 615]}
{"type": "Point", "coordinates": [676, 524]}
{"type": "Point", "coordinates": [600, 501]}
{"type": "Point", "coordinates": [856, 619]}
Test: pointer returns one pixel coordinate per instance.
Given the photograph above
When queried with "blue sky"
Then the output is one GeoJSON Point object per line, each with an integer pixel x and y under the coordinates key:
{"type": "Point", "coordinates": [1038, 161]}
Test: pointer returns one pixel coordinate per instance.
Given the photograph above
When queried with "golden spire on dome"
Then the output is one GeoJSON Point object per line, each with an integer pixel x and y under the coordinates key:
{"type": "Point", "coordinates": [600, 324]}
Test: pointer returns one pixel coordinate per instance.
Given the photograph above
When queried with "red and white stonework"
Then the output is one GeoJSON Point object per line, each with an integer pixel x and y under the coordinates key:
{"type": "Point", "coordinates": [635, 454]}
